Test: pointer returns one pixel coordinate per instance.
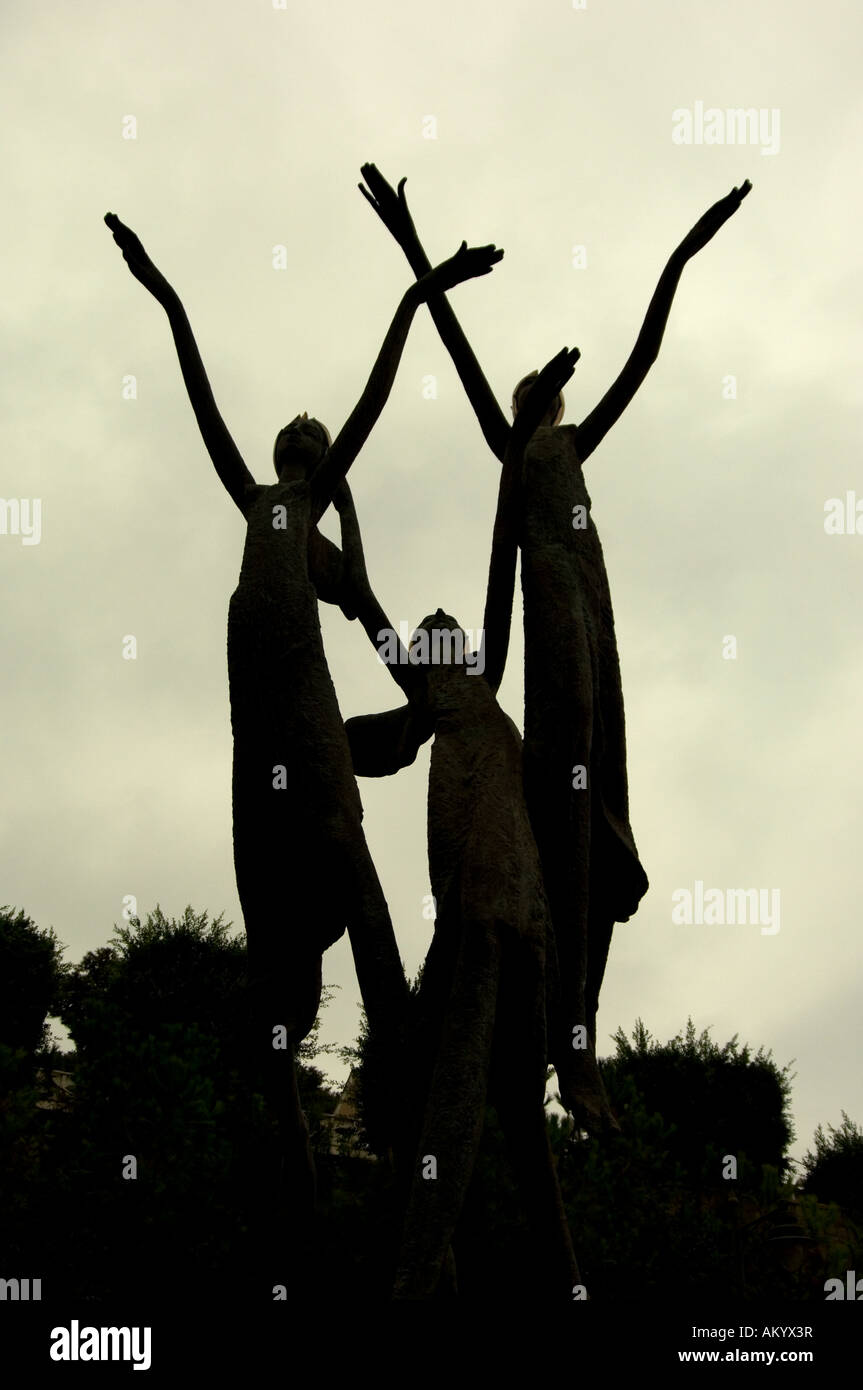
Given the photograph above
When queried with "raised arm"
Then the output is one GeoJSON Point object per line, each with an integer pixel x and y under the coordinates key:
{"type": "Point", "coordinates": [464, 265]}
{"type": "Point", "coordinates": [600, 420]}
{"type": "Point", "coordinates": [226, 457]}
{"type": "Point", "coordinates": [380, 744]}
{"type": "Point", "coordinates": [359, 597]}
{"type": "Point", "coordinates": [326, 571]}
{"type": "Point", "coordinates": [504, 547]}
{"type": "Point", "coordinates": [391, 207]}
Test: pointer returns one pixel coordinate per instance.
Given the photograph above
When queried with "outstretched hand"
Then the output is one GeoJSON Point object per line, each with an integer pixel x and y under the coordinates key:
{"type": "Point", "coordinates": [137, 259]}
{"type": "Point", "coordinates": [549, 383]}
{"type": "Point", "coordinates": [390, 206]}
{"type": "Point", "coordinates": [464, 265]}
{"type": "Point", "coordinates": [708, 225]}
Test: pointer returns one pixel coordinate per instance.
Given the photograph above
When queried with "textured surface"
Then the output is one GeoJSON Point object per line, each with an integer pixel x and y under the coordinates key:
{"type": "Point", "coordinates": [482, 1003]}
{"type": "Point", "coordinates": [290, 842]}
{"type": "Point", "coordinates": [574, 716]}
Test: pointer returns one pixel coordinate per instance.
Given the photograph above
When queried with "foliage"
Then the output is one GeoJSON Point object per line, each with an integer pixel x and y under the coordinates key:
{"type": "Point", "coordinates": [835, 1170]}
{"type": "Point", "coordinates": [162, 1074]}
{"type": "Point", "coordinates": [715, 1100]}
{"type": "Point", "coordinates": [163, 1089]}
{"type": "Point", "coordinates": [30, 972]}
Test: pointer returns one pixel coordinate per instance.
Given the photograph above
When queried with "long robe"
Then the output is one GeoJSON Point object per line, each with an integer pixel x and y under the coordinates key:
{"type": "Point", "coordinates": [304, 872]}
{"type": "Point", "coordinates": [481, 1010]}
{"type": "Point", "coordinates": [574, 718]}
{"type": "Point", "coordinates": [291, 841]}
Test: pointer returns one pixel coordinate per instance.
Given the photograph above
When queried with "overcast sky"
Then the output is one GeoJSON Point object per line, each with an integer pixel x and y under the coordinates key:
{"type": "Point", "coordinates": [541, 127]}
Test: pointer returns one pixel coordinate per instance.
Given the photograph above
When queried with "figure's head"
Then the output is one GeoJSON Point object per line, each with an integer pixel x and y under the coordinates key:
{"type": "Point", "coordinates": [439, 647]}
{"type": "Point", "coordinates": [438, 621]}
{"type": "Point", "coordinates": [299, 447]}
{"type": "Point", "coordinates": [552, 416]}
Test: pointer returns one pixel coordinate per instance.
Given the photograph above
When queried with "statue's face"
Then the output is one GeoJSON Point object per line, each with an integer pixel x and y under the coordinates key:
{"type": "Point", "coordinates": [437, 648]}
{"type": "Point", "coordinates": [299, 447]}
{"type": "Point", "coordinates": [555, 411]}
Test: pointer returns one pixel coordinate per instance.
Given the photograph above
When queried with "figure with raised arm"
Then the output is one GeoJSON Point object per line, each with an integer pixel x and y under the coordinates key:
{"type": "Point", "coordinates": [303, 868]}
{"type": "Point", "coordinates": [479, 1030]}
{"type": "Point", "coordinates": [574, 751]}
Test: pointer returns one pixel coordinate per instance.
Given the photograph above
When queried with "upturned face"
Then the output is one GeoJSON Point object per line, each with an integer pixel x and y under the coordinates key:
{"type": "Point", "coordinates": [299, 447]}
{"type": "Point", "coordinates": [555, 411]}
{"type": "Point", "coordinates": [438, 649]}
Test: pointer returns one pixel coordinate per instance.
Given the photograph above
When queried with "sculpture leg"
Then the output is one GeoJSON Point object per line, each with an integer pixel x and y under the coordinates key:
{"type": "Point", "coordinates": [518, 1094]}
{"type": "Point", "coordinates": [284, 969]}
{"type": "Point", "coordinates": [558, 781]}
{"type": "Point", "coordinates": [454, 1115]}
{"type": "Point", "coordinates": [283, 1199]}
{"type": "Point", "coordinates": [562, 826]}
{"type": "Point", "coordinates": [524, 1125]}
{"type": "Point", "coordinates": [382, 982]}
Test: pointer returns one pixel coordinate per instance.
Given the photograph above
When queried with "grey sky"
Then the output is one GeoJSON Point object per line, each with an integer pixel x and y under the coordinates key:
{"type": "Point", "coordinates": [553, 129]}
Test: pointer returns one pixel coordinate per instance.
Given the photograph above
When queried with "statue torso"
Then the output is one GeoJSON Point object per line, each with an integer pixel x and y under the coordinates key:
{"type": "Point", "coordinates": [483, 861]}
{"type": "Point", "coordinates": [573, 698]}
{"type": "Point", "coordinates": [557, 506]}
{"type": "Point", "coordinates": [278, 522]}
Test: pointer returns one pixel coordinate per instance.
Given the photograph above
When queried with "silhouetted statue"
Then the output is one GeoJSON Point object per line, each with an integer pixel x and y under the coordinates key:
{"type": "Point", "coordinates": [480, 1024]}
{"type": "Point", "coordinates": [303, 868]}
{"type": "Point", "coordinates": [574, 754]}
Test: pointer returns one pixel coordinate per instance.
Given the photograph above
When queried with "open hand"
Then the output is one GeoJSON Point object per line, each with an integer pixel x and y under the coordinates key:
{"type": "Point", "coordinates": [707, 226]}
{"type": "Point", "coordinates": [390, 206]}
{"type": "Point", "coordinates": [550, 382]}
{"type": "Point", "coordinates": [464, 265]}
{"type": "Point", "coordinates": [137, 259]}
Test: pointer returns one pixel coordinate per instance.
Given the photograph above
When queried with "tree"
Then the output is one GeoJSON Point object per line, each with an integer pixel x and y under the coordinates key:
{"type": "Point", "coordinates": [30, 974]}
{"type": "Point", "coordinates": [165, 1077]}
{"type": "Point", "coordinates": [717, 1100]}
{"type": "Point", "coordinates": [834, 1172]}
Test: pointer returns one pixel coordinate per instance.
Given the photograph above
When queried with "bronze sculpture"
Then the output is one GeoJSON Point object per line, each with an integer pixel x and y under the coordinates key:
{"type": "Point", "coordinates": [481, 1013]}
{"type": "Point", "coordinates": [295, 800]}
{"type": "Point", "coordinates": [574, 756]}
{"type": "Point", "coordinates": [521, 941]}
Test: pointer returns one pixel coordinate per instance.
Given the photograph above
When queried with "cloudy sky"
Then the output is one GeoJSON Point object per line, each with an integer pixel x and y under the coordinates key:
{"type": "Point", "coordinates": [543, 128]}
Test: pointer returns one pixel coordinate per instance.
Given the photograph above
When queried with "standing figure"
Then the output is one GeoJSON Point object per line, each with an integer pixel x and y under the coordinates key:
{"type": "Point", "coordinates": [479, 1029]}
{"type": "Point", "coordinates": [575, 751]}
{"type": "Point", "coordinates": [303, 867]}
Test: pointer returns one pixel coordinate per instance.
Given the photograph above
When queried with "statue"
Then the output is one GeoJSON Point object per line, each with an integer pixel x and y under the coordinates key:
{"type": "Point", "coordinates": [480, 1026]}
{"type": "Point", "coordinates": [302, 864]}
{"type": "Point", "coordinates": [574, 753]}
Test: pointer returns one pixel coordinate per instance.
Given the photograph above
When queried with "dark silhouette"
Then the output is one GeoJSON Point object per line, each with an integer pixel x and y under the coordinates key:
{"type": "Point", "coordinates": [834, 1169]}
{"type": "Point", "coordinates": [303, 867]}
{"type": "Point", "coordinates": [575, 752]}
{"type": "Point", "coordinates": [31, 971]}
{"type": "Point", "coordinates": [480, 1025]}
{"type": "Point", "coordinates": [161, 1074]}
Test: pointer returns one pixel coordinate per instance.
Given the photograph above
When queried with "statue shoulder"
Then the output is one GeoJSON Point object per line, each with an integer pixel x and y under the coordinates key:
{"type": "Point", "coordinates": [568, 443]}
{"type": "Point", "coordinates": [251, 496]}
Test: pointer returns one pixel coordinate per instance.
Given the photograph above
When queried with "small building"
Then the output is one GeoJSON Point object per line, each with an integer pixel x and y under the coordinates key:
{"type": "Point", "coordinates": [343, 1127]}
